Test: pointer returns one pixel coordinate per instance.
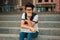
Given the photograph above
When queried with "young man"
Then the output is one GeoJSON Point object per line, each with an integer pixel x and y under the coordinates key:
{"type": "Point", "coordinates": [29, 23]}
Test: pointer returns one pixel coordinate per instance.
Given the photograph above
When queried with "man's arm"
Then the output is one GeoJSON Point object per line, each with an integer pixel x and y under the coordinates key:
{"type": "Point", "coordinates": [27, 27]}
{"type": "Point", "coordinates": [22, 24]}
{"type": "Point", "coordinates": [22, 21]}
{"type": "Point", "coordinates": [32, 23]}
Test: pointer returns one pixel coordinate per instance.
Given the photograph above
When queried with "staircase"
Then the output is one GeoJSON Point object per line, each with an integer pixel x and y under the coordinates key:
{"type": "Point", "coordinates": [49, 27]}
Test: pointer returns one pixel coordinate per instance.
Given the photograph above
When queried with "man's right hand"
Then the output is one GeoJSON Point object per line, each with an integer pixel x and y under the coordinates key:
{"type": "Point", "coordinates": [32, 29]}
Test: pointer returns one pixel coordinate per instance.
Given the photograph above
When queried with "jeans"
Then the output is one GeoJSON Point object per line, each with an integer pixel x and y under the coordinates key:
{"type": "Point", "coordinates": [29, 36]}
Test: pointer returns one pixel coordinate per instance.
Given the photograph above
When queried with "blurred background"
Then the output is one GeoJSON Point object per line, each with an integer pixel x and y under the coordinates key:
{"type": "Point", "coordinates": [40, 5]}
{"type": "Point", "coordinates": [47, 10]}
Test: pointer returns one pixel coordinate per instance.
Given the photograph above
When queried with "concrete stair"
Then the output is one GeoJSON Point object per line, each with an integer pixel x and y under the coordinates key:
{"type": "Point", "coordinates": [49, 27]}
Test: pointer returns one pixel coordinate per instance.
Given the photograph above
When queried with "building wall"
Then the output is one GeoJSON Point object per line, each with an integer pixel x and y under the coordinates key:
{"type": "Point", "coordinates": [56, 2]}
{"type": "Point", "coordinates": [24, 2]}
{"type": "Point", "coordinates": [18, 3]}
{"type": "Point", "coordinates": [44, 2]}
{"type": "Point", "coordinates": [57, 5]}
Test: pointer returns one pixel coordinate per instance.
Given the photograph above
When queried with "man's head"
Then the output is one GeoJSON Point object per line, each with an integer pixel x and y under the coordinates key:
{"type": "Point", "coordinates": [29, 8]}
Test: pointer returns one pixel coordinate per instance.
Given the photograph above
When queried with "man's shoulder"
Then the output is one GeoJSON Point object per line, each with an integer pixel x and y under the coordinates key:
{"type": "Point", "coordinates": [34, 14]}
{"type": "Point", "coordinates": [23, 13]}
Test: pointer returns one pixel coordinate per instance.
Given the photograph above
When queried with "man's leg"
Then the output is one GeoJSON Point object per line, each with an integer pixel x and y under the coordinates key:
{"type": "Point", "coordinates": [22, 35]}
{"type": "Point", "coordinates": [35, 34]}
{"type": "Point", "coordinates": [29, 36]}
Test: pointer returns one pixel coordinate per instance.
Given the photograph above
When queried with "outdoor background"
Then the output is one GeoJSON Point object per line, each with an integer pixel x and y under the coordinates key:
{"type": "Point", "coordinates": [47, 10]}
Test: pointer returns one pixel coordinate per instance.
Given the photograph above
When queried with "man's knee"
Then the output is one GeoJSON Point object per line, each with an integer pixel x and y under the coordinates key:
{"type": "Point", "coordinates": [22, 34]}
{"type": "Point", "coordinates": [35, 34]}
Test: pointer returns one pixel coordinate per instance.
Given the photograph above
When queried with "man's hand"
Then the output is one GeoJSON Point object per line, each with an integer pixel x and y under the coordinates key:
{"type": "Point", "coordinates": [29, 14]}
{"type": "Point", "coordinates": [32, 29]}
{"type": "Point", "coordinates": [27, 20]}
{"type": "Point", "coordinates": [29, 23]}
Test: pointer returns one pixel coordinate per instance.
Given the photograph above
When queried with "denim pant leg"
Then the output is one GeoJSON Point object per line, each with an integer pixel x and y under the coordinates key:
{"type": "Point", "coordinates": [22, 35]}
{"type": "Point", "coordinates": [35, 34]}
{"type": "Point", "coordinates": [32, 35]}
{"type": "Point", "coordinates": [29, 36]}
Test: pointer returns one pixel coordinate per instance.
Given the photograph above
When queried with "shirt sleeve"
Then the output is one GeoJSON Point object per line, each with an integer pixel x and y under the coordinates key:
{"type": "Point", "coordinates": [23, 16]}
{"type": "Point", "coordinates": [35, 19]}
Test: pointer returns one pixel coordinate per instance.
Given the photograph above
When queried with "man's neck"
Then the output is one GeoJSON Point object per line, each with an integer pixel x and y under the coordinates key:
{"type": "Point", "coordinates": [28, 17]}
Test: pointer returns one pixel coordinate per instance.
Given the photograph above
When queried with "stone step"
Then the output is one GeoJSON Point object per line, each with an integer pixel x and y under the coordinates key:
{"type": "Point", "coordinates": [49, 18]}
{"type": "Point", "coordinates": [16, 37]}
{"type": "Point", "coordinates": [10, 18]}
{"type": "Point", "coordinates": [42, 24]}
{"type": "Point", "coordinates": [19, 18]}
{"type": "Point", "coordinates": [11, 13]}
{"type": "Point", "coordinates": [41, 17]}
{"type": "Point", "coordinates": [42, 31]}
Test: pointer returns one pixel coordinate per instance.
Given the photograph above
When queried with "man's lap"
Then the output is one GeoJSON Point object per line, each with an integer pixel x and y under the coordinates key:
{"type": "Point", "coordinates": [24, 34]}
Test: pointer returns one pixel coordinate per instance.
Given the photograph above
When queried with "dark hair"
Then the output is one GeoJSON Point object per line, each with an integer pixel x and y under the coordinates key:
{"type": "Point", "coordinates": [29, 5]}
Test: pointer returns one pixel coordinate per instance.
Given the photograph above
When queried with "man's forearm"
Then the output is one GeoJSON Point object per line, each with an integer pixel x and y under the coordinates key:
{"type": "Point", "coordinates": [30, 28]}
{"type": "Point", "coordinates": [29, 23]}
{"type": "Point", "coordinates": [24, 26]}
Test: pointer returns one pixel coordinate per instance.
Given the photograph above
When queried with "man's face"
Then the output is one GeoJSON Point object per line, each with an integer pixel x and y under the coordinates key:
{"type": "Point", "coordinates": [29, 11]}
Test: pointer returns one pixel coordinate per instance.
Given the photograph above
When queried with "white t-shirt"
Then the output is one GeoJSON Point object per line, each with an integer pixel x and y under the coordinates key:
{"type": "Point", "coordinates": [34, 19]}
